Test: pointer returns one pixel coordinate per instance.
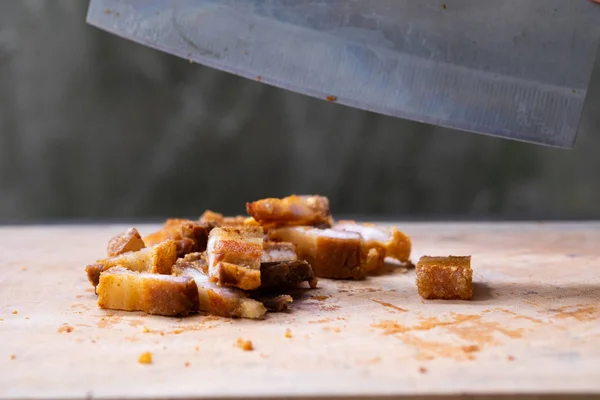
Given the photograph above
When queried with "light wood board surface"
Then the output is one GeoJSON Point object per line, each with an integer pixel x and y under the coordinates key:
{"type": "Point", "coordinates": [532, 328]}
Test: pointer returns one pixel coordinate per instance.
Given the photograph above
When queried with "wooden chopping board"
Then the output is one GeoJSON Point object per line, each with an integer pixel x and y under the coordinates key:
{"type": "Point", "coordinates": [532, 328]}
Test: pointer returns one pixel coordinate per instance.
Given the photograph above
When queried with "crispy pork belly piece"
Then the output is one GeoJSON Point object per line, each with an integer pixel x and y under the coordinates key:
{"type": "Point", "coordinates": [93, 272]}
{"type": "Point", "coordinates": [122, 289]}
{"type": "Point", "coordinates": [445, 277]}
{"type": "Point", "coordinates": [218, 300]}
{"type": "Point", "coordinates": [291, 211]}
{"type": "Point", "coordinates": [331, 254]}
{"type": "Point", "coordinates": [380, 242]}
{"type": "Point", "coordinates": [157, 259]}
{"type": "Point", "coordinates": [278, 251]}
{"type": "Point", "coordinates": [198, 260]}
{"type": "Point", "coordinates": [125, 242]}
{"type": "Point", "coordinates": [234, 256]}
{"type": "Point", "coordinates": [277, 303]}
{"type": "Point", "coordinates": [189, 236]}
{"type": "Point", "coordinates": [238, 220]}
{"type": "Point", "coordinates": [211, 217]}
{"type": "Point", "coordinates": [217, 219]}
{"type": "Point", "coordinates": [286, 274]}
{"type": "Point", "coordinates": [251, 222]}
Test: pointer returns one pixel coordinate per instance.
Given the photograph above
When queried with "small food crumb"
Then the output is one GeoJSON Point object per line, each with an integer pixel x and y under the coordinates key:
{"type": "Point", "coordinates": [145, 329]}
{"type": "Point", "coordinates": [145, 358]}
{"type": "Point", "coordinates": [197, 348]}
{"type": "Point", "coordinates": [288, 334]}
{"type": "Point", "coordinates": [319, 297]}
{"type": "Point", "coordinates": [245, 345]}
{"type": "Point", "coordinates": [177, 331]}
{"type": "Point", "coordinates": [12, 356]}
{"type": "Point", "coordinates": [259, 78]}
{"type": "Point", "coordinates": [510, 358]}
{"type": "Point", "coordinates": [65, 328]}
{"type": "Point", "coordinates": [162, 334]}
{"type": "Point", "coordinates": [23, 268]}
{"type": "Point", "coordinates": [15, 312]}
{"type": "Point", "coordinates": [423, 370]}
{"type": "Point", "coordinates": [471, 349]}
{"type": "Point", "coordinates": [187, 363]}
{"type": "Point", "coordinates": [337, 330]}
{"type": "Point", "coordinates": [331, 98]}
{"type": "Point", "coordinates": [1, 319]}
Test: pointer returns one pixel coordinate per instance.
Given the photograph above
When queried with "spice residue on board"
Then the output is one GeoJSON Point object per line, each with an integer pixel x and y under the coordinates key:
{"type": "Point", "coordinates": [65, 328]}
{"type": "Point", "coordinates": [370, 361]}
{"type": "Point", "coordinates": [471, 329]}
{"type": "Point", "coordinates": [108, 321]}
{"type": "Point", "coordinates": [579, 312]}
{"type": "Point", "coordinates": [390, 305]}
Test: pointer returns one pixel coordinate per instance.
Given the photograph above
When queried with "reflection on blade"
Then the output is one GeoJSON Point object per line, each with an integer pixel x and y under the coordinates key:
{"type": "Point", "coordinates": [517, 69]}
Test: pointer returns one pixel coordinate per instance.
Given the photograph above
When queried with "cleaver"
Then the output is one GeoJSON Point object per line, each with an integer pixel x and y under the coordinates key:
{"type": "Point", "coordinates": [515, 69]}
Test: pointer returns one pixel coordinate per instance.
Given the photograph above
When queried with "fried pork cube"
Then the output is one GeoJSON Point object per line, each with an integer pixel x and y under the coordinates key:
{"type": "Point", "coordinates": [291, 211]}
{"type": "Point", "coordinates": [331, 254]}
{"type": "Point", "coordinates": [216, 219]}
{"type": "Point", "coordinates": [286, 274]}
{"type": "Point", "coordinates": [218, 300]}
{"type": "Point", "coordinates": [211, 217]}
{"type": "Point", "coordinates": [380, 242]}
{"type": "Point", "coordinates": [122, 289]}
{"type": "Point", "coordinates": [189, 236]}
{"type": "Point", "coordinates": [445, 277]}
{"type": "Point", "coordinates": [198, 260]}
{"type": "Point", "coordinates": [234, 256]}
{"type": "Point", "coordinates": [278, 251]}
{"type": "Point", "coordinates": [157, 259]}
{"type": "Point", "coordinates": [125, 242]}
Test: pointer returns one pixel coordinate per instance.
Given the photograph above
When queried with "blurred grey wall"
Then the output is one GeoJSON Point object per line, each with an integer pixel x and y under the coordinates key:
{"type": "Point", "coordinates": [95, 127]}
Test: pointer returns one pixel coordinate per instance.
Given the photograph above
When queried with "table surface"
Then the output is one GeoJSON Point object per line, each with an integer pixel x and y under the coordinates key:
{"type": "Point", "coordinates": [532, 327]}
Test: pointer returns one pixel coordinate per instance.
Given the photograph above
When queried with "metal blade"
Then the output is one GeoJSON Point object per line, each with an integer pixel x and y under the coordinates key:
{"type": "Point", "coordinates": [517, 69]}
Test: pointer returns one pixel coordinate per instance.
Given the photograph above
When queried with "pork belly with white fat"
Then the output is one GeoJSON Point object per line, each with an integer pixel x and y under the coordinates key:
{"type": "Point", "coordinates": [216, 219]}
{"type": "Point", "coordinates": [189, 236]}
{"type": "Point", "coordinates": [380, 242]}
{"type": "Point", "coordinates": [122, 289]}
{"type": "Point", "coordinates": [278, 251]}
{"type": "Point", "coordinates": [291, 211]}
{"type": "Point", "coordinates": [331, 253]}
{"type": "Point", "coordinates": [234, 256]}
{"type": "Point", "coordinates": [157, 259]}
{"type": "Point", "coordinates": [218, 300]}
{"type": "Point", "coordinates": [125, 242]}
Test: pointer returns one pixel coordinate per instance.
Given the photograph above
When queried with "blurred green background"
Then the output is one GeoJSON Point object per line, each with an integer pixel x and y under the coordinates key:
{"type": "Point", "coordinates": [93, 127]}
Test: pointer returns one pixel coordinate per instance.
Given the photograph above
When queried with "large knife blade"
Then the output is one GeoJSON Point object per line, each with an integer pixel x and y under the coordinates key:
{"type": "Point", "coordinates": [516, 69]}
